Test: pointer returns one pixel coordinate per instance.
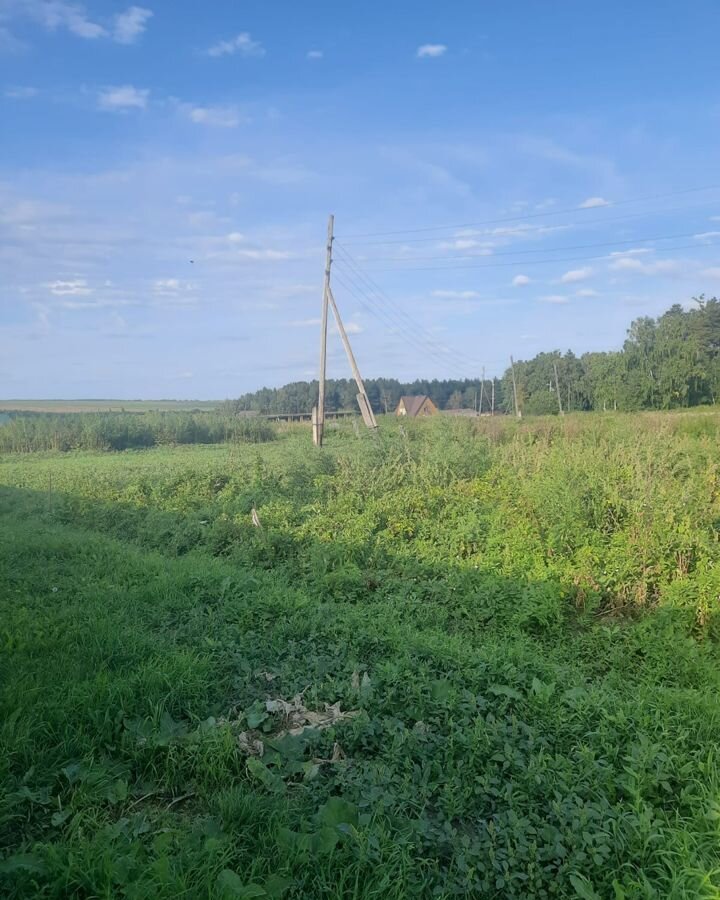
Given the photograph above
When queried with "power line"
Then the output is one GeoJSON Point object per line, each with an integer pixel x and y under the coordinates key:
{"type": "Point", "coordinates": [410, 259]}
{"type": "Point", "coordinates": [429, 349]}
{"type": "Point", "coordinates": [446, 357]}
{"type": "Point", "coordinates": [560, 226]}
{"type": "Point", "coordinates": [538, 262]}
{"type": "Point", "coordinates": [386, 304]}
{"type": "Point", "coordinates": [402, 318]}
{"type": "Point", "coordinates": [432, 350]}
{"type": "Point", "coordinates": [556, 212]}
{"type": "Point", "coordinates": [386, 322]}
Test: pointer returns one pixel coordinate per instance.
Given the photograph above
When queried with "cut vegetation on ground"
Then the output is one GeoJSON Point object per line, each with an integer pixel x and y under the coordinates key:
{"type": "Point", "coordinates": [474, 658]}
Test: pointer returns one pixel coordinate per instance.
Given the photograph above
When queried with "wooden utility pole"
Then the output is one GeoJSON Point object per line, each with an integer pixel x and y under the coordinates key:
{"type": "Point", "coordinates": [318, 413]}
{"type": "Point", "coordinates": [492, 397]}
{"type": "Point", "coordinates": [482, 390]}
{"type": "Point", "coordinates": [557, 389]}
{"type": "Point", "coordinates": [362, 397]}
{"type": "Point", "coordinates": [518, 411]}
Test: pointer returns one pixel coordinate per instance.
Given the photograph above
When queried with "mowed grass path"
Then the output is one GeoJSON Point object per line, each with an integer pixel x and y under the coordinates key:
{"type": "Point", "coordinates": [514, 734]}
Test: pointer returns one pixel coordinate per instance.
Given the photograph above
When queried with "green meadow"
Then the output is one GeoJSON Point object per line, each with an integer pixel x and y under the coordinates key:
{"type": "Point", "coordinates": [469, 658]}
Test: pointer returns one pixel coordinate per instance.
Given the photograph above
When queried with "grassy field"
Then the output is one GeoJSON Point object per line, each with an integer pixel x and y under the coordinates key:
{"type": "Point", "coordinates": [79, 406]}
{"type": "Point", "coordinates": [471, 659]}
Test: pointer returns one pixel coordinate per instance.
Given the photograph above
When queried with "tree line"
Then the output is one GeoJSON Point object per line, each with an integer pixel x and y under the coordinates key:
{"type": "Point", "coordinates": [667, 362]}
{"type": "Point", "coordinates": [384, 395]}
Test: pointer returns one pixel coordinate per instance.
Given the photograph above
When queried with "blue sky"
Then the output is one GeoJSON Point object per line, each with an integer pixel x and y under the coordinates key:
{"type": "Point", "coordinates": [506, 178]}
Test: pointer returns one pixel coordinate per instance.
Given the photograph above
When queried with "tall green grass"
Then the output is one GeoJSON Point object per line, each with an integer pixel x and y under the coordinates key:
{"type": "Point", "coordinates": [521, 617]}
{"type": "Point", "coordinates": [34, 432]}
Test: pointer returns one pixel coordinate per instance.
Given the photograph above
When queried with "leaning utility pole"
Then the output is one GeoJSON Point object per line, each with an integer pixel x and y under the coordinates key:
{"type": "Point", "coordinates": [518, 411]}
{"type": "Point", "coordinates": [482, 390]}
{"type": "Point", "coordinates": [318, 413]}
{"type": "Point", "coordinates": [362, 397]}
{"type": "Point", "coordinates": [557, 389]}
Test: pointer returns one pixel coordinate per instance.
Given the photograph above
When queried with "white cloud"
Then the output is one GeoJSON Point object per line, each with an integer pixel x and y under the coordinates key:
{"type": "Point", "coordinates": [627, 264]}
{"type": "Point", "coordinates": [43, 317]}
{"type": "Point", "coordinates": [586, 292]}
{"type": "Point", "coordinates": [9, 43]}
{"type": "Point", "coordinates": [706, 235]}
{"type": "Point", "coordinates": [456, 295]}
{"type": "Point", "coordinates": [314, 54]}
{"type": "Point", "coordinates": [305, 323]}
{"type": "Point", "coordinates": [123, 97]}
{"type": "Point", "coordinates": [593, 202]}
{"type": "Point", "coordinates": [166, 284]}
{"type": "Point", "coordinates": [77, 288]}
{"type": "Point", "coordinates": [96, 303]}
{"type": "Point", "coordinates": [520, 280]}
{"type": "Point", "coordinates": [263, 254]}
{"type": "Point", "coordinates": [174, 292]}
{"type": "Point", "coordinates": [71, 17]}
{"type": "Point", "coordinates": [353, 328]}
{"type": "Point", "coordinates": [54, 15]}
{"type": "Point", "coordinates": [525, 230]}
{"type": "Point", "coordinates": [430, 51]}
{"type": "Point", "coordinates": [242, 44]}
{"type": "Point", "coordinates": [21, 93]}
{"type": "Point", "coordinates": [130, 24]}
{"type": "Point", "coordinates": [576, 275]}
{"type": "Point", "coordinates": [712, 272]}
{"type": "Point", "coordinates": [483, 248]}
{"type": "Point", "coordinates": [215, 116]}
{"type": "Point", "coordinates": [554, 298]}
{"type": "Point", "coordinates": [634, 252]}
{"type": "Point", "coordinates": [236, 252]}
{"type": "Point", "coordinates": [632, 264]}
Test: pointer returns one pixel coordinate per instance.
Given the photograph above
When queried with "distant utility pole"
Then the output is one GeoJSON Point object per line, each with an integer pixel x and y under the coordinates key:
{"type": "Point", "coordinates": [318, 413]}
{"type": "Point", "coordinates": [518, 411]}
{"type": "Point", "coordinates": [492, 396]}
{"type": "Point", "coordinates": [557, 389]}
{"type": "Point", "coordinates": [482, 390]}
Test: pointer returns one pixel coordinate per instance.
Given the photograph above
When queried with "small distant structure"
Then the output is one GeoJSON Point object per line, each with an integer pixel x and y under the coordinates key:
{"type": "Point", "coordinates": [416, 407]}
{"type": "Point", "coordinates": [465, 413]}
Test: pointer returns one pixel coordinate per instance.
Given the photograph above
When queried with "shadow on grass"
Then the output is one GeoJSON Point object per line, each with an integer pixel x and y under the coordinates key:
{"type": "Point", "coordinates": [490, 754]}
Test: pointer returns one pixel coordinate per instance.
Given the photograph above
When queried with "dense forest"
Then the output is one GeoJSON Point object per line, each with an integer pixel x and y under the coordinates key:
{"type": "Point", "coordinates": [665, 363]}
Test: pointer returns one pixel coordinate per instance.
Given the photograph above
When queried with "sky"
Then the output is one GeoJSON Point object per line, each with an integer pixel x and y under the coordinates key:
{"type": "Point", "coordinates": [505, 178]}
